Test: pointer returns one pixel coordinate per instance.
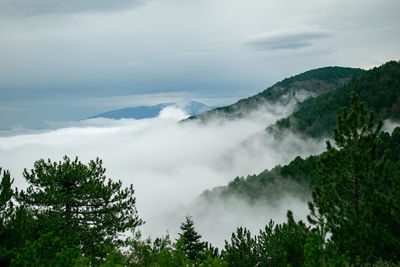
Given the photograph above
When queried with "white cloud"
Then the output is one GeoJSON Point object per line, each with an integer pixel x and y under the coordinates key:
{"type": "Point", "coordinates": [389, 126]}
{"type": "Point", "coordinates": [170, 164]}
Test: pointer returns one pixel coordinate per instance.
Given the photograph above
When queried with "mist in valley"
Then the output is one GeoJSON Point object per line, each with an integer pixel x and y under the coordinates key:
{"type": "Point", "coordinates": [170, 163]}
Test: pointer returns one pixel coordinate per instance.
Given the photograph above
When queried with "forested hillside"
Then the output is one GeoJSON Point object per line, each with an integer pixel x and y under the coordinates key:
{"type": "Point", "coordinates": [316, 117]}
{"type": "Point", "coordinates": [299, 87]}
{"type": "Point", "coordinates": [300, 176]}
{"type": "Point", "coordinates": [379, 88]}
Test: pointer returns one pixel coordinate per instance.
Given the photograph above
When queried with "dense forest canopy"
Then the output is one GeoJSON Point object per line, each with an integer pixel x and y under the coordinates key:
{"type": "Point", "coordinates": [379, 88]}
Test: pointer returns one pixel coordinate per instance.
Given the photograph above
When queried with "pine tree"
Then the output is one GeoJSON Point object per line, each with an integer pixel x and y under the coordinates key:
{"type": "Point", "coordinates": [6, 194]}
{"type": "Point", "coordinates": [357, 197]}
{"type": "Point", "coordinates": [242, 251]}
{"type": "Point", "coordinates": [192, 245]}
{"type": "Point", "coordinates": [75, 202]}
{"type": "Point", "coordinates": [6, 211]}
{"type": "Point", "coordinates": [282, 244]}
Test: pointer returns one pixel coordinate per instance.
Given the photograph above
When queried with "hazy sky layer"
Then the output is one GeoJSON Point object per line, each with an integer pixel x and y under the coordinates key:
{"type": "Point", "coordinates": [67, 60]}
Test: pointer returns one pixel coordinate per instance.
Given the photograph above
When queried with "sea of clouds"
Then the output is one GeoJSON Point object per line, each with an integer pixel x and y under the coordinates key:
{"type": "Point", "coordinates": [170, 163]}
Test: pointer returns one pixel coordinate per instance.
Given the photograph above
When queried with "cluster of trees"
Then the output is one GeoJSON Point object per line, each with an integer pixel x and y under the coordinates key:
{"type": "Point", "coordinates": [378, 88]}
{"type": "Point", "coordinates": [300, 176]}
{"type": "Point", "coordinates": [71, 215]}
{"type": "Point", "coordinates": [355, 200]}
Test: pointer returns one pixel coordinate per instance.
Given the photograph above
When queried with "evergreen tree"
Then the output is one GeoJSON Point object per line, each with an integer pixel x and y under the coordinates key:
{"type": "Point", "coordinates": [242, 251]}
{"type": "Point", "coordinates": [17, 225]}
{"type": "Point", "coordinates": [48, 250]}
{"type": "Point", "coordinates": [192, 245]}
{"type": "Point", "coordinates": [75, 202]}
{"type": "Point", "coordinates": [6, 211]}
{"type": "Point", "coordinates": [6, 194]}
{"type": "Point", "coordinates": [357, 197]}
{"type": "Point", "coordinates": [282, 244]}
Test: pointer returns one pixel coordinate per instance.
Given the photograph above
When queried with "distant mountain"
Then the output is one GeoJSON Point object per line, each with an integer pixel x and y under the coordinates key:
{"type": "Point", "coordinates": [144, 112]}
{"type": "Point", "coordinates": [297, 88]}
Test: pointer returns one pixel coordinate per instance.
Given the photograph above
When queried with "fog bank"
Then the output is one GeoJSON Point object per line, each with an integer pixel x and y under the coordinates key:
{"type": "Point", "coordinates": [170, 164]}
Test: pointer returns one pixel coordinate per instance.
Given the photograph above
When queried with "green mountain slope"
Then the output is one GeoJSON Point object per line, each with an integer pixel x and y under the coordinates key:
{"type": "Point", "coordinates": [379, 88]}
{"type": "Point", "coordinates": [269, 186]}
{"type": "Point", "coordinates": [316, 117]}
{"type": "Point", "coordinates": [300, 176]}
{"type": "Point", "coordinates": [299, 87]}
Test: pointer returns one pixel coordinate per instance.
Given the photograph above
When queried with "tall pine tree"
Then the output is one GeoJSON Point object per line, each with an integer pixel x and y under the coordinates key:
{"type": "Point", "coordinates": [192, 245]}
{"type": "Point", "coordinates": [357, 196]}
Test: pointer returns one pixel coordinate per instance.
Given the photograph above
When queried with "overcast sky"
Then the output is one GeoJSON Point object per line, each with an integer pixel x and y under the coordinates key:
{"type": "Point", "coordinates": [68, 59]}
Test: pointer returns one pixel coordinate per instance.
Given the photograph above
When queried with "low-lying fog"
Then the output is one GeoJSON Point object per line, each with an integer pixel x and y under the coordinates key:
{"type": "Point", "coordinates": [170, 164]}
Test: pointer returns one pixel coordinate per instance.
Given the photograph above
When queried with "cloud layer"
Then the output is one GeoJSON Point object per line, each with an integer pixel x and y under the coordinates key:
{"type": "Point", "coordinates": [285, 40]}
{"type": "Point", "coordinates": [170, 164]}
{"type": "Point", "coordinates": [24, 8]}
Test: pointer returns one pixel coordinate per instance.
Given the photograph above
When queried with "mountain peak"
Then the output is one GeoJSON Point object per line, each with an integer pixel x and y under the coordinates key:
{"type": "Point", "coordinates": [144, 112]}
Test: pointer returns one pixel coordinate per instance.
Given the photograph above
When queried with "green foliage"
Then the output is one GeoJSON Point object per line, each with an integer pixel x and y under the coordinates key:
{"type": "Point", "coordinates": [357, 196]}
{"type": "Point", "coordinates": [6, 194]}
{"type": "Point", "coordinates": [48, 250]}
{"type": "Point", "coordinates": [192, 245]}
{"type": "Point", "coordinates": [17, 225]}
{"type": "Point", "coordinates": [299, 176]}
{"type": "Point", "coordinates": [379, 88]}
{"type": "Point", "coordinates": [21, 228]}
{"type": "Point", "coordinates": [318, 251]}
{"type": "Point", "coordinates": [76, 203]}
{"type": "Point", "coordinates": [356, 199]}
{"type": "Point", "coordinates": [277, 245]}
{"type": "Point", "coordinates": [242, 251]}
{"type": "Point", "coordinates": [148, 253]}
{"type": "Point", "coordinates": [212, 260]}
{"type": "Point", "coordinates": [6, 211]}
{"type": "Point", "coordinates": [282, 244]}
{"type": "Point", "coordinates": [162, 252]}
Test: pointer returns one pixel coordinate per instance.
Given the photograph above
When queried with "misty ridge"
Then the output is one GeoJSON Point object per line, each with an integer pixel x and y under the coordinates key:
{"type": "Point", "coordinates": [236, 166]}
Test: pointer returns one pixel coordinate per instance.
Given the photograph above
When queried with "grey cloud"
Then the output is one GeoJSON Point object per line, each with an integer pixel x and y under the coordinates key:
{"type": "Point", "coordinates": [26, 8]}
{"type": "Point", "coordinates": [285, 40]}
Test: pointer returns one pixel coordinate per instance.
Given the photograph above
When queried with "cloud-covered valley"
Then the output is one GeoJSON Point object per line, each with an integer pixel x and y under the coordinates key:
{"type": "Point", "coordinates": [170, 163]}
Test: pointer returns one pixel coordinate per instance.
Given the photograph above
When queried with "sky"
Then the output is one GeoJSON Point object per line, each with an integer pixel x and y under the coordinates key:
{"type": "Point", "coordinates": [68, 60]}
